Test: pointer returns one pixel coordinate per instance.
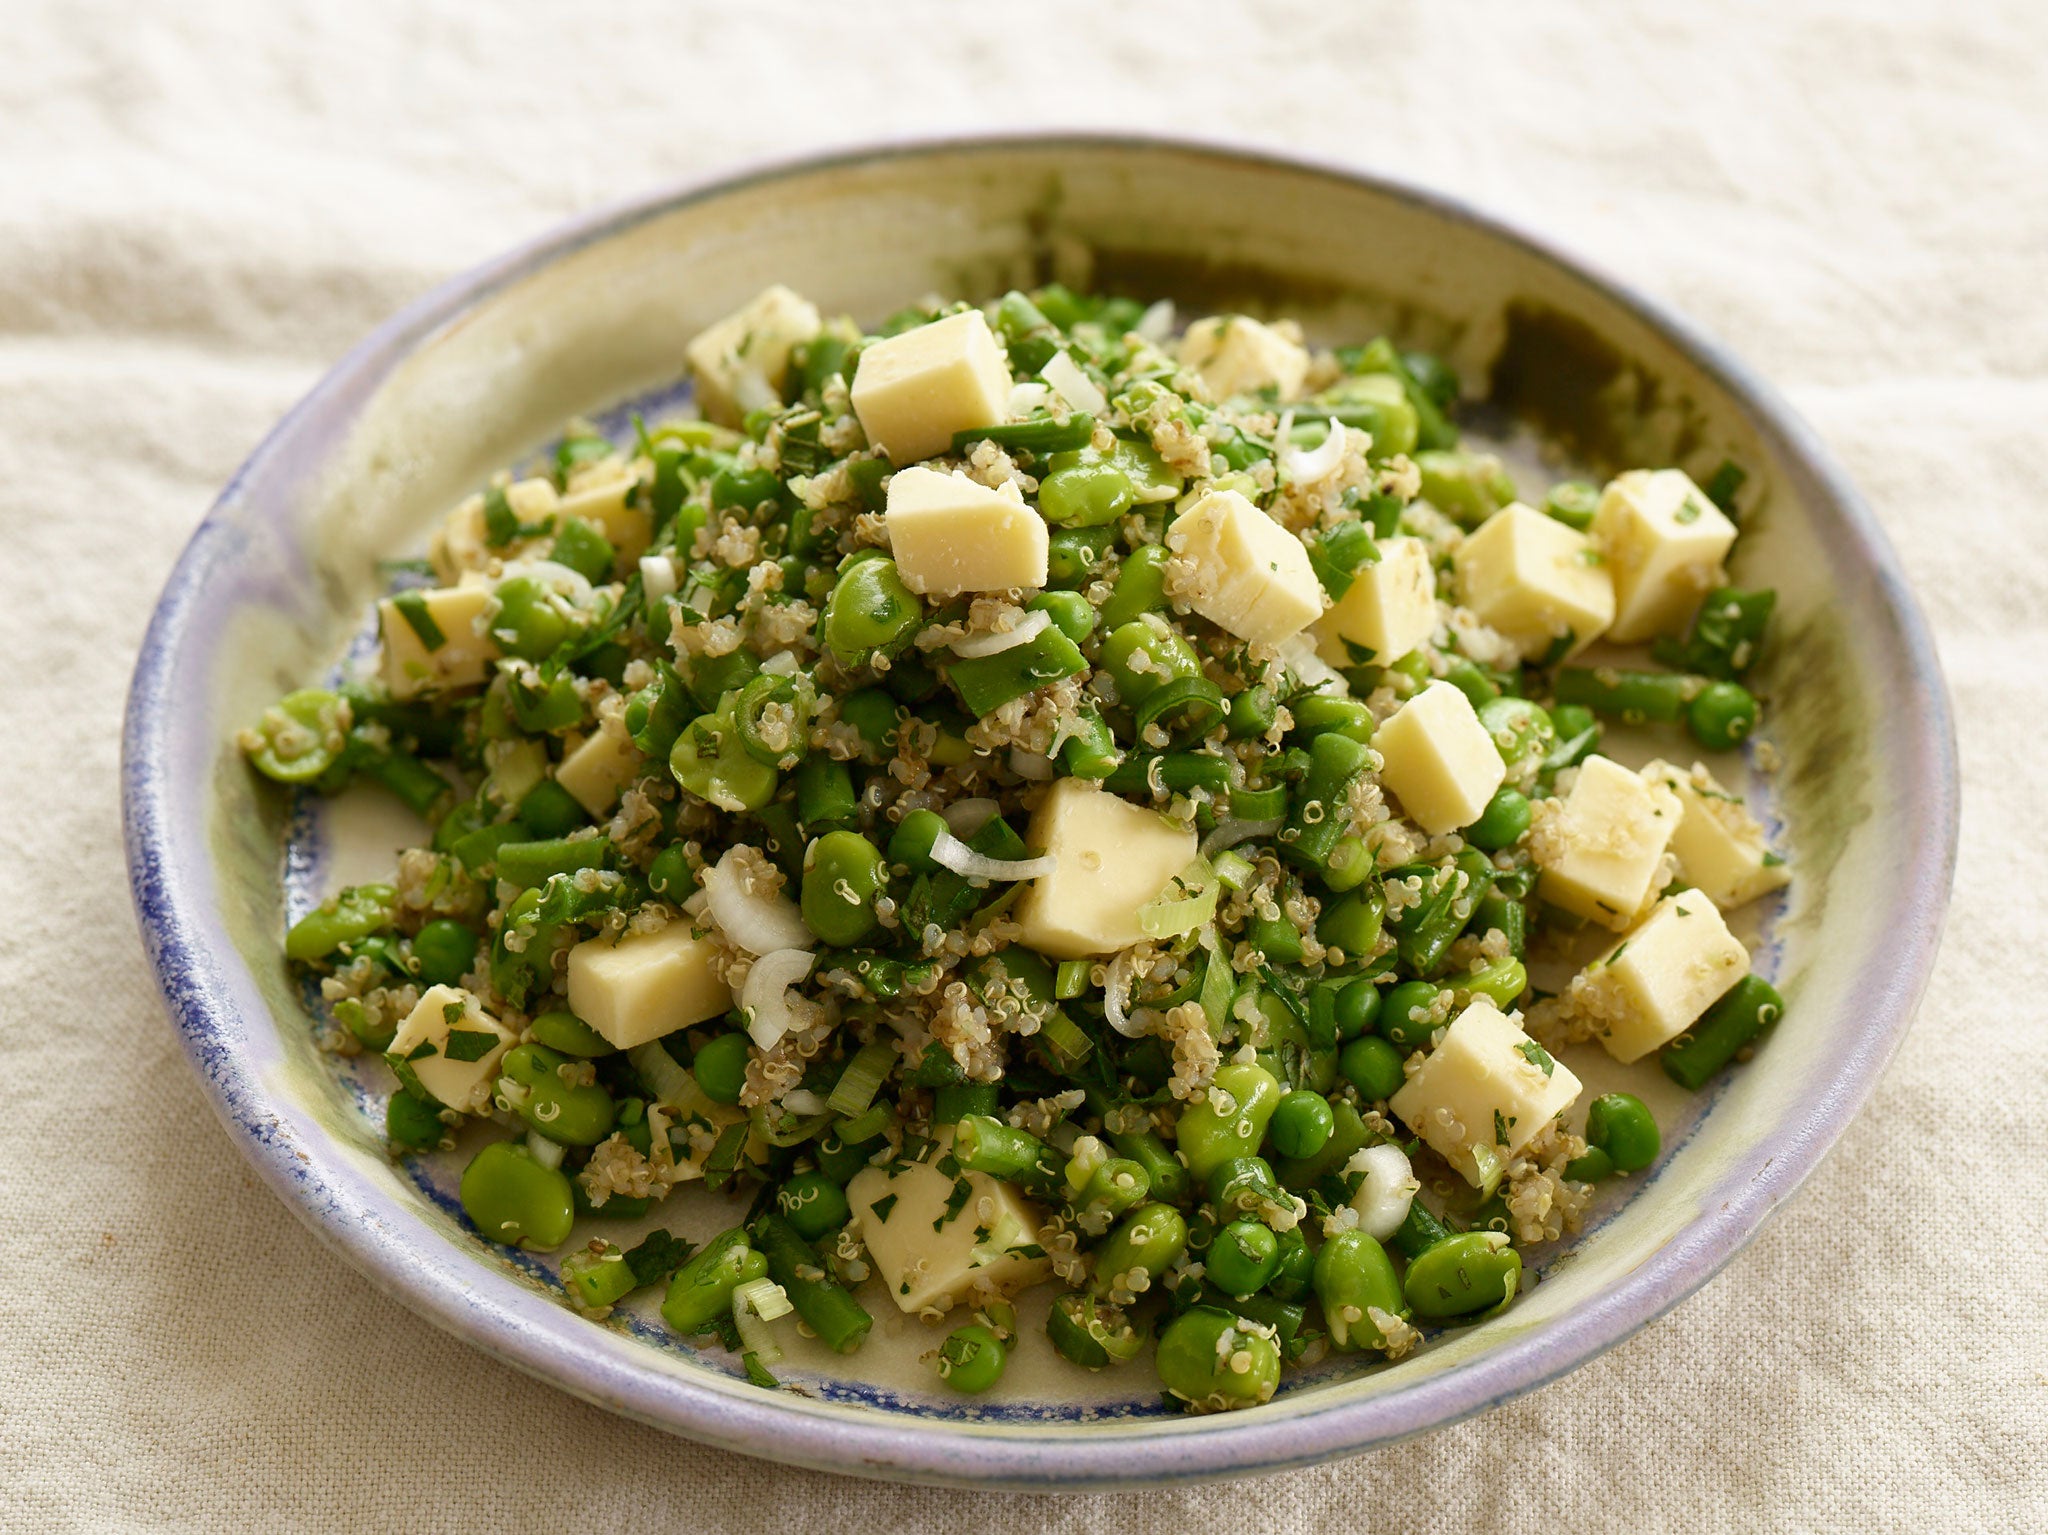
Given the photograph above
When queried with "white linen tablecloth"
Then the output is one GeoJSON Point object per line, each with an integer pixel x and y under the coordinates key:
{"type": "Point", "coordinates": [202, 205]}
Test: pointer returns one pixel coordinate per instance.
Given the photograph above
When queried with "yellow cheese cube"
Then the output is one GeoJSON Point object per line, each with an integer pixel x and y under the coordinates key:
{"type": "Point", "coordinates": [645, 985]}
{"type": "Point", "coordinates": [459, 1074]}
{"type": "Point", "coordinates": [629, 528]}
{"type": "Point", "coordinates": [1235, 355]}
{"type": "Point", "coordinates": [914, 391]}
{"type": "Point", "coordinates": [1249, 575]}
{"type": "Point", "coordinates": [1389, 609]}
{"type": "Point", "coordinates": [1654, 985]}
{"type": "Point", "coordinates": [600, 768]}
{"type": "Point", "coordinates": [1438, 759]}
{"type": "Point", "coordinates": [1114, 857]}
{"type": "Point", "coordinates": [436, 640]}
{"type": "Point", "coordinates": [1601, 851]}
{"type": "Point", "coordinates": [1536, 581]}
{"type": "Point", "coordinates": [990, 1238]}
{"type": "Point", "coordinates": [950, 534]}
{"type": "Point", "coordinates": [1718, 845]}
{"type": "Point", "coordinates": [1484, 1092]}
{"type": "Point", "coordinates": [1664, 542]}
{"type": "Point", "coordinates": [740, 363]}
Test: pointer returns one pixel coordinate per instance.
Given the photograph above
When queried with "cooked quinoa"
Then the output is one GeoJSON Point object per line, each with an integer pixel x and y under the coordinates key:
{"type": "Point", "coordinates": [1041, 795]}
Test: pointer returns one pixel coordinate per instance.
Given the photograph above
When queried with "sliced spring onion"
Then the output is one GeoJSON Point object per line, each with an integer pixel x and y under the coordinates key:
{"type": "Point", "coordinates": [1072, 385]}
{"type": "Point", "coordinates": [671, 1086]}
{"type": "Point", "coordinates": [1305, 466]}
{"type": "Point", "coordinates": [861, 1080]}
{"type": "Point", "coordinates": [1235, 870]}
{"type": "Point", "coordinates": [965, 817]}
{"type": "Point", "coordinates": [756, 1336]}
{"type": "Point", "coordinates": [1229, 833]}
{"type": "Point", "coordinates": [544, 1151]}
{"type": "Point", "coordinates": [801, 1100]}
{"type": "Point", "coordinates": [1195, 702]}
{"type": "Point", "coordinates": [865, 1126]}
{"type": "Point", "coordinates": [956, 855]}
{"type": "Point", "coordinates": [772, 1009]}
{"type": "Point", "coordinates": [1187, 902]}
{"type": "Point", "coordinates": [1030, 765]}
{"type": "Point", "coordinates": [1116, 991]}
{"type": "Point", "coordinates": [1028, 400]}
{"type": "Point", "coordinates": [767, 1299]}
{"type": "Point", "coordinates": [1156, 323]}
{"type": "Point", "coordinates": [1065, 1038]}
{"type": "Point", "coordinates": [657, 577]}
{"type": "Point", "coordinates": [1298, 653]}
{"type": "Point", "coordinates": [760, 922]}
{"type": "Point", "coordinates": [995, 642]}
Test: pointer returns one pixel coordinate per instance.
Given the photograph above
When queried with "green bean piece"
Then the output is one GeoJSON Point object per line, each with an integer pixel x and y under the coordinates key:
{"type": "Point", "coordinates": [870, 612]}
{"type": "Point", "coordinates": [1697, 1055]}
{"type": "Point", "coordinates": [744, 487]}
{"type": "Point", "coordinates": [1419, 1231]}
{"type": "Point", "coordinates": [840, 1321]}
{"type": "Point", "coordinates": [1116, 1185]}
{"type": "Point", "coordinates": [986, 683]}
{"type": "Point", "coordinates": [511, 1198]}
{"type": "Point", "coordinates": [1089, 751]}
{"type": "Point", "coordinates": [1172, 772]}
{"type": "Point", "coordinates": [418, 787]}
{"type": "Point", "coordinates": [1377, 403]}
{"type": "Point", "coordinates": [954, 1101]}
{"type": "Point", "coordinates": [1207, 1137]}
{"type": "Point", "coordinates": [1252, 713]}
{"type": "Point", "coordinates": [1028, 336]}
{"type": "Point", "coordinates": [843, 874]}
{"type": "Point", "coordinates": [1045, 435]}
{"type": "Point", "coordinates": [1633, 697]}
{"type": "Point", "coordinates": [1085, 495]}
{"type": "Point", "coordinates": [597, 1276]}
{"type": "Point", "coordinates": [1500, 981]}
{"type": "Point", "coordinates": [566, 1034]}
{"type": "Point", "coordinates": [1144, 1245]}
{"type": "Point", "coordinates": [1069, 611]}
{"type": "Point", "coordinates": [1302, 1123]}
{"type": "Point", "coordinates": [1722, 716]}
{"type": "Point", "coordinates": [1320, 712]}
{"type": "Point", "coordinates": [1726, 636]}
{"type": "Point", "coordinates": [1143, 654]}
{"type": "Point", "coordinates": [527, 864]}
{"type": "Point", "coordinates": [1319, 816]}
{"type": "Point", "coordinates": [413, 1123]}
{"type": "Point", "coordinates": [1352, 923]}
{"type": "Point", "coordinates": [1353, 1278]}
{"type": "Point", "coordinates": [1504, 914]}
{"type": "Point", "coordinates": [531, 1084]}
{"type": "Point", "coordinates": [1466, 487]}
{"type": "Point", "coordinates": [700, 1294]}
{"type": "Point", "coordinates": [1086, 1332]}
{"type": "Point", "coordinates": [1503, 823]}
{"type": "Point", "coordinates": [812, 1203]}
{"type": "Point", "coordinates": [1165, 1174]}
{"type": "Point", "coordinates": [1578, 733]}
{"type": "Point", "coordinates": [1140, 587]}
{"type": "Point", "coordinates": [1214, 1361]}
{"type": "Point", "coordinates": [971, 1359]}
{"type": "Point", "coordinates": [1477, 1271]}
{"type": "Point", "coordinates": [984, 1144]}
{"type": "Point", "coordinates": [299, 737]}
{"type": "Point", "coordinates": [1573, 503]}
{"type": "Point", "coordinates": [549, 811]}
{"type": "Point", "coordinates": [354, 914]}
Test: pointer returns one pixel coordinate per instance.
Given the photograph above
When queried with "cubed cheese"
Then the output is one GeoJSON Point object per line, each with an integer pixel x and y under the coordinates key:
{"type": "Point", "coordinates": [1536, 581]}
{"type": "Point", "coordinates": [452, 1047]}
{"type": "Point", "coordinates": [1654, 985]}
{"type": "Point", "coordinates": [1602, 849]}
{"type": "Point", "coordinates": [1664, 542]}
{"type": "Point", "coordinates": [463, 542]}
{"type": "Point", "coordinates": [1114, 857]}
{"type": "Point", "coordinates": [914, 391]}
{"type": "Point", "coordinates": [628, 526]}
{"type": "Point", "coordinates": [950, 534]}
{"type": "Point", "coordinates": [1438, 759]}
{"type": "Point", "coordinates": [1718, 844]}
{"type": "Point", "coordinates": [741, 362]}
{"type": "Point", "coordinates": [1235, 355]}
{"type": "Point", "coordinates": [1389, 609]}
{"type": "Point", "coordinates": [597, 770]}
{"type": "Point", "coordinates": [645, 985]}
{"type": "Point", "coordinates": [929, 1251]}
{"type": "Point", "coordinates": [1484, 1092]}
{"type": "Point", "coordinates": [1247, 575]}
{"type": "Point", "coordinates": [436, 640]}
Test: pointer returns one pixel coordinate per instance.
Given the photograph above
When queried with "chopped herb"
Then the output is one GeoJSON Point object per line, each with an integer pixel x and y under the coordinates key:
{"type": "Point", "coordinates": [470, 1044]}
{"type": "Point", "coordinates": [412, 607]}
{"type": "Point", "coordinates": [659, 1255]}
{"type": "Point", "coordinates": [881, 1207]}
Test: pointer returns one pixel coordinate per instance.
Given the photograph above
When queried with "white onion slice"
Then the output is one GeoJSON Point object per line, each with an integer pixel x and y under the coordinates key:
{"type": "Point", "coordinates": [994, 643]}
{"type": "Point", "coordinates": [801, 1100]}
{"type": "Point", "coordinates": [1229, 833]}
{"type": "Point", "coordinates": [782, 664]}
{"type": "Point", "coordinates": [544, 1151]}
{"type": "Point", "coordinates": [1116, 990]}
{"type": "Point", "coordinates": [1298, 652]}
{"type": "Point", "coordinates": [1305, 466]}
{"type": "Point", "coordinates": [956, 855]}
{"type": "Point", "coordinates": [1156, 323]}
{"type": "Point", "coordinates": [965, 817]}
{"type": "Point", "coordinates": [756, 922]}
{"type": "Point", "coordinates": [1030, 765]}
{"type": "Point", "coordinates": [1072, 385]}
{"type": "Point", "coordinates": [571, 585]}
{"type": "Point", "coordinates": [657, 577]}
{"type": "Point", "coordinates": [1389, 1187]}
{"type": "Point", "coordinates": [771, 1011]}
{"type": "Point", "coordinates": [1028, 400]}
{"type": "Point", "coordinates": [1187, 902]}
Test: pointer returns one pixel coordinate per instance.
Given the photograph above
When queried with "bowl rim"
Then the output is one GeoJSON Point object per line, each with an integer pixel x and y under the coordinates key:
{"type": "Point", "coordinates": [512, 1323]}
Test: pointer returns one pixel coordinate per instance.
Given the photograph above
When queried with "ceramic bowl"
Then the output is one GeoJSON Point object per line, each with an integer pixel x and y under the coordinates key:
{"type": "Point", "coordinates": [275, 585]}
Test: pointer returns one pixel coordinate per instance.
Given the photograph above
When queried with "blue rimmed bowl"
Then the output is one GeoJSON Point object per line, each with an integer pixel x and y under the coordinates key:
{"type": "Point", "coordinates": [274, 587]}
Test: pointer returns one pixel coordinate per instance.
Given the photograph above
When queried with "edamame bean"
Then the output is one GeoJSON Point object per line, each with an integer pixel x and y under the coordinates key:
{"type": "Point", "coordinates": [1463, 1274]}
{"type": "Point", "coordinates": [870, 611]}
{"type": "Point", "coordinates": [1209, 1135]}
{"type": "Point", "coordinates": [701, 1291]}
{"type": "Point", "coordinates": [1140, 586]}
{"type": "Point", "coordinates": [1243, 1257]}
{"type": "Point", "coordinates": [1302, 1121]}
{"type": "Point", "coordinates": [1142, 1247]}
{"type": "Point", "coordinates": [299, 737]}
{"type": "Point", "coordinates": [413, 1123]}
{"type": "Point", "coordinates": [1354, 1273]}
{"type": "Point", "coordinates": [1214, 1361]}
{"type": "Point", "coordinates": [1143, 655]}
{"type": "Point", "coordinates": [528, 625]}
{"type": "Point", "coordinates": [514, 1199]}
{"type": "Point", "coordinates": [971, 1359]}
{"type": "Point", "coordinates": [843, 873]}
{"type": "Point", "coordinates": [443, 950]}
{"type": "Point", "coordinates": [1085, 495]}
{"type": "Point", "coordinates": [563, 1031]}
{"type": "Point", "coordinates": [355, 913]}
{"type": "Point", "coordinates": [721, 1066]}
{"type": "Point", "coordinates": [671, 876]}
{"type": "Point", "coordinates": [1069, 612]}
{"type": "Point", "coordinates": [530, 1083]}
{"type": "Point", "coordinates": [1621, 1125]}
{"type": "Point", "coordinates": [1520, 729]}
{"type": "Point", "coordinates": [812, 1203]}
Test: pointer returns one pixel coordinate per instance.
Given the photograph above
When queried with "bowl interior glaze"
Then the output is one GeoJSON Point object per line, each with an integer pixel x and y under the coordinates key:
{"type": "Point", "coordinates": [273, 590]}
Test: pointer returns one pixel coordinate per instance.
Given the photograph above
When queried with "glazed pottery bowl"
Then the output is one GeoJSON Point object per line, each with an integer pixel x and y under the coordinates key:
{"type": "Point", "coordinates": [273, 592]}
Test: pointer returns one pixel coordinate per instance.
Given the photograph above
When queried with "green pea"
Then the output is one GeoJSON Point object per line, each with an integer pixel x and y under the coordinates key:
{"type": "Point", "coordinates": [742, 486]}
{"type": "Point", "coordinates": [1373, 1066]}
{"type": "Point", "coordinates": [1143, 1246]}
{"type": "Point", "coordinates": [442, 951]}
{"type": "Point", "coordinates": [1722, 716]}
{"type": "Point", "coordinates": [1243, 1257]}
{"type": "Point", "coordinates": [912, 841]}
{"type": "Point", "coordinates": [671, 876]}
{"type": "Point", "coordinates": [565, 1033]}
{"type": "Point", "coordinates": [1399, 1022]}
{"type": "Point", "coordinates": [354, 914]}
{"type": "Point", "coordinates": [514, 1199]}
{"type": "Point", "coordinates": [1085, 496]}
{"type": "Point", "coordinates": [870, 611]}
{"type": "Point", "coordinates": [530, 1084]}
{"type": "Point", "coordinates": [1590, 1168]}
{"type": "Point", "coordinates": [1069, 611]}
{"type": "Point", "coordinates": [1242, 1184]}
{"type": "Point", "coordinates": [1621, 1125]}
{"type": "Point", "coordinates": [812, 1203]}
{"type": "Point", "coordinates": [1353, 1272]}
{"type": "Point", "coordinates": [1075, 554]}
{"type": "Point", "coordinates": [1207, 1138]}
{"type": "Point", "coordinates": [701, 1291]}
{"type": "Point", "coordinates": [1520, 729]}
{"type": "Point", "coordinates": [875, 714]}
{"type": "Point", "coordinates": [1502, 823]}
{"type": "Point", "coordinates": [1302, 1122]}
{"type": "Point", "coordinates": [528, 625]}
{"type": "Point", "coordinates": [721, 1066]}
{"type": "Point", "coordinates": [971, 1359]}
{"type": "Point", "coordinates": [842, 876]}
{"type": "Point", "coordinates": [1145, 654]}
{"type": "Point", "coordinates": [300, 736]}
{"type": "Point", "coordinates": [549, 810]}
{"type": "Point", "coordinates": [1463, 1274]}
{"type": "Point", "coordinates": [1212, 1360]}
{"type": "Point", "coordinates": [1252, 713]}
{"type": "Point", "coordinates": [1358, 1007]}
{"type": "Point", "coordinates": [413, 1123]}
